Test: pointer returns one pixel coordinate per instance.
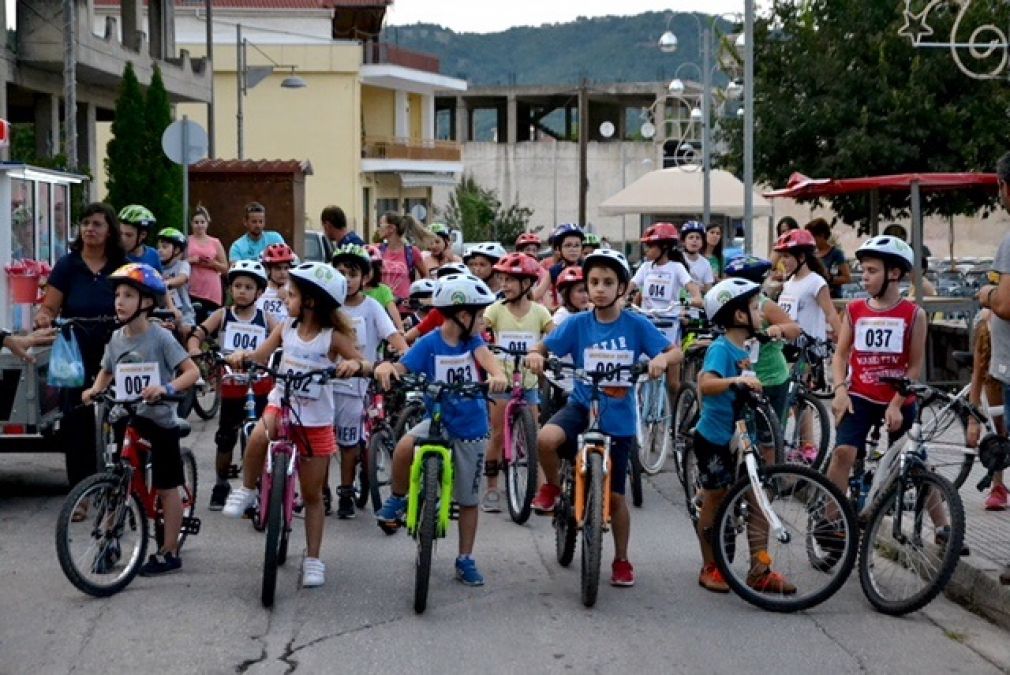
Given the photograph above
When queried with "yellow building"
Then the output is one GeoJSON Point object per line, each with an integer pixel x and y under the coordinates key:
{"type": "Point", "coordinates": [364, 116]}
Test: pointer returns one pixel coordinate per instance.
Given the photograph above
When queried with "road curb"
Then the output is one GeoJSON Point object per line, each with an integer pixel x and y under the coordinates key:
{"type": "Point", "coordinates": [976, 587]}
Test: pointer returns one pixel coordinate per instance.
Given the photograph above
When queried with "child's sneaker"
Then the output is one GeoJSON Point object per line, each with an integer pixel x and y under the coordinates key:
{"type": "Point", "coordinates": [491, 502]}
{"type": "Point", "coordinates": [466, 571]}
{"type": "Point", "coordinates": [160, 563]}
{"type": "Point", "coordinates": [345, 502]}
{"type": "Point", "coordinates": [393, 510]}
{"type": "Point", "coordinates": [313, 573]}
{"type": "Point", "coordinates": [997, 499]}
{"type": "Point", "coordinates": [770, 582]}
{"type": "Point", "coordinates": [218, 496]}
{"type": "Point", "coordinates": [711, 579]}
{"type": "Point", "coordinates": [546, 497]}
{"type": "Point", "coordinates": [622, 573]}
{"type": "Point", "coordinates": [238, 501]}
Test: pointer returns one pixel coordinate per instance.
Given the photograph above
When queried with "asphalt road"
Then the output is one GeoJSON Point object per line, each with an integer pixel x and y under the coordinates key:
{"type": "Point", "coordinates": [527, 618]}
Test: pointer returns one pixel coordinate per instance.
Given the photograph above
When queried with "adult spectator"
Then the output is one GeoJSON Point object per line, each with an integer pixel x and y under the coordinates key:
{"type": "Point", "coordinates": [785, 224]}
{"type": "Point", "coordinates": [402, 262]}
{"type": "Point", "coordinates": [256, 238]}
{"type": "Point", "coordinates": [208, 262]}
{"type": "Point", "coordinates": [79, 287]}
{"type": "Point", "coordinates": [335, 228]}
{"type": "Point", "coordinates": [439, 249]}
{"type": "Point", "coordinates": [21, 344]}
{"type": "Point", "coordinates": [713, 249]}
{"type": "Point", "coordinates": [831, 256]}
{"type": "Point", "coordinates": [895, 230]}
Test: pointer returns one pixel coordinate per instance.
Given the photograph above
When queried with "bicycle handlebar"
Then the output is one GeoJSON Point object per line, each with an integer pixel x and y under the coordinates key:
{"type": "Point", "coordinates": [439, 390]}
{"type": "Point", "coordinates": [61, 322]}
{"type": "Point", "coordinates": [105, 397]}
{"type": "Point", "coordinates": [321, 375]}
{"type": "Point", "coordinates": [596, 377]}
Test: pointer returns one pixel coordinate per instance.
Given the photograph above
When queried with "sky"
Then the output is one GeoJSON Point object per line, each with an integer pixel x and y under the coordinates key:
{"type": "Point", "coordinates": [476, 16]}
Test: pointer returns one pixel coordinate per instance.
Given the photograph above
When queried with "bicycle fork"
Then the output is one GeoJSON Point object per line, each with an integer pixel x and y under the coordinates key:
{"type": "Point", "coordinates": [416, 488]}
{"type": "Point", "coordinates": [598, 444]}
{"type": "Point", "coordinates": [750, 462]}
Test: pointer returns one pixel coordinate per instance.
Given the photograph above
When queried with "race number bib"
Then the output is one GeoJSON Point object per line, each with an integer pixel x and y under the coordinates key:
{"type": "Point", "coordinates": [133, 378]}
{"type": "Point", "coordinates": [244, 336]}
{"type": "Point", "coordinates": [359, 332]}
{"type": "Point", "coordinates": [275, 307]}
{"type": "Point", "coordinates": [884, 334]}
{"type": "Point", "coordinates": [309, 389]}
{"type": "Point", "coordinates": [517, 341]}
{"type": "Point", "coordinates": [609, 361]}
{"type": "Point", "coordinates": [455, 369]}
{"type": "Point", "coordinates": [659, 288]}
{"type": "Point", "coordinates": [789, 304]}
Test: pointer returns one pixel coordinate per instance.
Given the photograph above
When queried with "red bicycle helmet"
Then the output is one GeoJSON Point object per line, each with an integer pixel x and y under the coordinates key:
{"type": "Point", "coordinates": [659, 233]}
{"type": "Point", "coordinates": [277, 253]}
{"type": "Point", "coordinates": [795, 239]}
{"type": "Point", "coordinates": [527, 238]}
{"type": "Point", "coordinates": [518, 265]}
{"type": "Point", "coordinates": [569, 277]}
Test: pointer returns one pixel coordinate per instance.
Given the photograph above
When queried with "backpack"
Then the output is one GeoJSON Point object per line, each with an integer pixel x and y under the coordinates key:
{"type": "Point", "coordinates": [408, 253]}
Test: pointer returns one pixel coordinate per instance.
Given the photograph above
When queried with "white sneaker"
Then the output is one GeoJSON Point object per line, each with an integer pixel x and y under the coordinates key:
{"type": "Point", "coordinates": [491, 502]}
{"type": "Point", "coordinates": [238, 501]}
{"type": "Point", "coordinates": [313, 573]}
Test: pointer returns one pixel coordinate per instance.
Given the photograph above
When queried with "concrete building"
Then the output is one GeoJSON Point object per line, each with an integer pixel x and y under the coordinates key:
{"type": "Point", "coordinates": [364, 119]}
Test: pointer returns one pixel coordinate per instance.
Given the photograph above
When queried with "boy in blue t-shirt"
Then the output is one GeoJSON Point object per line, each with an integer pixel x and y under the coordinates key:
{"type": "Point", "coordinates": [453, 350]}
{"type": "Point", "coordinates": [620, 337]}
{"type": "Point", "coordinates": [734, 305]}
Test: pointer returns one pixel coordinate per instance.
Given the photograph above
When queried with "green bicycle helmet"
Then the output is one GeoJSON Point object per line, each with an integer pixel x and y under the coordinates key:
{"type": "Point", "coordinates": [592, 240]}
{"type": "Point", "coordinates": [138, 216]}
{"type": "Point", "coordinates": [440, 229]}
{"type": "Point", "coordinates": [173, 236]}
{"type": "Point", "coordinates": [353, 254]}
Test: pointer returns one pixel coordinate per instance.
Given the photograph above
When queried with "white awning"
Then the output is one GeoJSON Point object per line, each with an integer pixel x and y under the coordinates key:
{"type": "Point", "coordinates": [680, 191]}
{"type": "Point", "coordinates": [409, 180]}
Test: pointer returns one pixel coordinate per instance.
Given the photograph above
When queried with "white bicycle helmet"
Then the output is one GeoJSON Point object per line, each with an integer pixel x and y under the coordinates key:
{"type": "Point", "coordinates": [608, 257]}
{"type": "Point", "coordinates": [463, 291]}
{"type": "Point", "coordinates": [451, 268]}
{"type": "Point", "coordinates": [728, 295]}
{"type": "Point", "coordinates": [324, 278]}
{"type": "Point", "coordinates": [491, 250]}
{"type": "Point", "coordinates": [889, 249]}
{"type": "Point", "coordinates": [251, 268]}
{"type": "Point", "coordinates": [423, 288]}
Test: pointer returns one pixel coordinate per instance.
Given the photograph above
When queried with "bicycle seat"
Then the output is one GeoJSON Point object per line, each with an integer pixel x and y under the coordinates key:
{"type": "Point", "coordinates": [184, 428]}
{"type": "Point", "coordinates": [963, 359]}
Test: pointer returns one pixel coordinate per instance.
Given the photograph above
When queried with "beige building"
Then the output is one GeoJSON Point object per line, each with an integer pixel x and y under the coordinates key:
{"type": "Point", "coordinates": [364, 119]}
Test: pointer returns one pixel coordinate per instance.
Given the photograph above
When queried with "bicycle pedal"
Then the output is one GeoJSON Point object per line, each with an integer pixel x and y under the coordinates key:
{"type": "Point", "coordinates": [191, 525]}
{"type": "Point", "coordinates": [389, 528]}
{"type": "Point", "coordinates": [234, 471]}
{"type": "Point", "coordinates": [454, 511]}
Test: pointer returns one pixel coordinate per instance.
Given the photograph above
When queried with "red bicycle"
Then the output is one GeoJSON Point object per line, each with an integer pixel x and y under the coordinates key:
{"type": "Point", "coordinates": [102, 530]}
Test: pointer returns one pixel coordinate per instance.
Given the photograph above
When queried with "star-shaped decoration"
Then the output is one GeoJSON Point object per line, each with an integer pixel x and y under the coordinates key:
{"type": "Point", "coordinates": [915, 27]}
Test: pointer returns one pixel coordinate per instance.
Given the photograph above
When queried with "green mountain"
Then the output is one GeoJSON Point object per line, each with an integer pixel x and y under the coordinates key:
{"type": "Point", "coordinates": [601, 49]}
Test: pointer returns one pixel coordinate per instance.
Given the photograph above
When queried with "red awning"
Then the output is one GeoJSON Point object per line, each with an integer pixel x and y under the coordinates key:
{"type": "Point", "coordinates": [801, 187]}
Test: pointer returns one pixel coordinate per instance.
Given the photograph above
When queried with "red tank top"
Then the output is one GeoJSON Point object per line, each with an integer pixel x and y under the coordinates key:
{"type": "Point", "coordinates": [880, 347]}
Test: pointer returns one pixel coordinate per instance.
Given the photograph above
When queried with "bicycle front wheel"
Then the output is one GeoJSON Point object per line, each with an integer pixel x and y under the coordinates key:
{"type": "Point", "coordinates": [773, 569]}
{"type": "Point", "coordinates": [945, 434]}
{"type": "Point", "coordinates": [207, 397]}
{"type": "Point", "coordinates": [427, 518]}
{"type": "Point", "coordinates": [188, 494]}
{"type": "Point", "coordinates": [274, 526]}
{"type": "Point", "coordinates": [521, 472]}
{"type": "Point", "coordinates": [912, 543]}
{"type": "Point", "coordinates": [807, 432]}
{"type": "Point", "coordinates": [592, 530]}
{"type": "Point", "coordinates": [101, 535]}
{"type": "Point", "coordinates": [654, 422]}
{"type": "Point", "coordinates": [380, 464]}
{"type": "Point", "coordinates": [409, 417]}
{"type": "Point", "coordinates": [686, 410]}
{"type": "Point", "coordinates": [565, 528]}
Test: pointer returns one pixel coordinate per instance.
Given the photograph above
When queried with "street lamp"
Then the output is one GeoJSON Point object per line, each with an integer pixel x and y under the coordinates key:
{"type": "Point", "coordinates": [248, 77]}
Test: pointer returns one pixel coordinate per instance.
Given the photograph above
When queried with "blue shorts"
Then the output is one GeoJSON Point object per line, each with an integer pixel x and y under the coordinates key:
{"type": "Point", "coordinates": [853, 428]}
{"type": "Point", "coordinates": [573, 420]}
{"type": "Point", "coordinates": [532, 396]}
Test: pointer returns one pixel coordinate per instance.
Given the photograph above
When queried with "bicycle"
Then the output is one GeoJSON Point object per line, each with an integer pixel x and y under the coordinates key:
{"type": "Point", "coordinates": [377, 461]}
{"type": "Point", "coordinates": [519, 442]}
{"type": "Point", "coordinates": [429, 498]}
{"type": "Point", "coordinates": [783, 514]}
{"type": "Point", "coordinates": [206, 392]}
{"type": "Point", "coordinates": [584, 503]}
{"type": "Point", "coordinates": [107, 513]}
{"type": "Point", "coordinates": [654, 405]}
{"type": "Point", "coordinates": [806, 414]}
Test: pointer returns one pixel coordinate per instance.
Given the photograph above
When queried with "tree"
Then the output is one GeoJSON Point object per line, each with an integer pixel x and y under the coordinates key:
{"type": "Point", "coordinates": [164, 188]}
{"type": "Point", "coordinates": [125, 161]}
{"type": "Point", "coordinates": [839, 93]}
{"type": "Point", "coordinates": [479, 213]}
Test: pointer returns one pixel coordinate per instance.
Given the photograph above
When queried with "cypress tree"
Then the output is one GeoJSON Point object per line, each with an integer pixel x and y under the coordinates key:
{"type": "Point", "coordinates": [164, 188]}
{"type": "Point", "coordinates": [125, 161]}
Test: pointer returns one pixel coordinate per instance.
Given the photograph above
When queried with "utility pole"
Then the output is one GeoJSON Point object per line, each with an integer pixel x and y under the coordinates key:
{"type": "Point", "coordinates": [209, 4]}
{"type": "Point", "coordinates": [70, 83]}
{"type": "Point", "coordinates": [583, 150]}
{"type": "Point", "coordinates": [748, 128]}
{"type": "Point", "coordinates": [240, 83]}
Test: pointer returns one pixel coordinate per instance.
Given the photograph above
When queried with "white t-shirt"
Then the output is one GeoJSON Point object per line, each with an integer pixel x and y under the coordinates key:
{"type": "Point", "coordinates": [313, 401]}
{"type": "Point", "coordinates": [701, 270]}
{"type": "Point", "coordinates": [560, 315]}
{"type": "Point", "coordinates": [272, 305]}
{"type": "Point", "coordinates": [661, 284]}
{"type": "Point", "coordinates": [372, 325]}
{"type": "Point", "coordinates": [799, 300]}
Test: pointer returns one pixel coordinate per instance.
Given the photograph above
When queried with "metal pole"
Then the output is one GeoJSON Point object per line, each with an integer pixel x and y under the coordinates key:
{"type": "Point", "coordinates": [748, 127]}
{"type": "Point", "coordinates": [583, 150]}
{"type": "Point", "coordinates": [706, 127]}
{"type": "Point", "coordinates": [70, 83]}
{"type": "Point", "coordinates": [917, 240]}
{"type": "Point", "coordinates": [624, 216]}
{"type": "Point", "coordinates": [185, 174]}
{"type": "Point", "coordinates": [209, 4]}
{"type": "Point", "coordinates": [239, 83]}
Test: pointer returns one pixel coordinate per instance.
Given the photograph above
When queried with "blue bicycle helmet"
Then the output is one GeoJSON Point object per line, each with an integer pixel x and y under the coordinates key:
{"type": "Point", "coordinates": [564, 230]}
{"type": "Point", "coordinates": [141, 276]}
{"type": "Point", "coordinates": [692, 226]}
{"type": "Point", "coordinates": [748, 267]}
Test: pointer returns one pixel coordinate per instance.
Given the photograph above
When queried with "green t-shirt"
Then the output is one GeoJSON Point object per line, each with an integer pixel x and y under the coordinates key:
{"type": "Point", "coordinates": [772, 368]}
{"type": "Point", "coordinates": [716, 266]}
{"type": "Point", "coordinates": [382, 294]}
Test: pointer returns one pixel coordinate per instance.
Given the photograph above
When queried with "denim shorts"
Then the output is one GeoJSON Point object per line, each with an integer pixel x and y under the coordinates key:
{"type": "Point", "coordinates": [532, 396]}
{"type": "Point", "coordinates": [854, 427]}
{"type": "Point", "coordinates": [573, 420]}
{"type": "Point", "coordinates": [716, 463]}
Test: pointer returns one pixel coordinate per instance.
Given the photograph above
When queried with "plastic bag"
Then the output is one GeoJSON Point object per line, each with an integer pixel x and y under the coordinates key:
{"type": "Point", "coordinates": [66, 366]}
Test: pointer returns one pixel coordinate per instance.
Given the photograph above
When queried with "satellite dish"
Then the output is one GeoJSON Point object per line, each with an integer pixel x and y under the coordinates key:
{"type": "Point", "coordinates": [607, 129]}
{"type": "Point", "coordinates": [648, 130]}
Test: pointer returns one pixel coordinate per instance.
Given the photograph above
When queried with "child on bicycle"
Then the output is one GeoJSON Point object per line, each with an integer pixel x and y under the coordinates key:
{"type": "Point", "coordinates": [175, 270]}
{"type": "Point", "coordinates": [626, 337]}
{"type": "Point", "coordinates": [421, 292]}
{"type": "Point", "coordinates": [692, 233]}
{"type": "Point", "coordinates": [734, 305]}
{"type": "Point", "coordinates": [462, 299]}
{"type": "Point", "coordinates": [316, 335]}
{"type": "Point", "coordinates": [241, 326]}
{"type": "Point", "coordinates": [574, 297]}
{"type": "Point", "coordinates": [371, 326]}
{"type": "Point", "coordinates": [517, 323]}
{"type": "Point", "coordinates": [567, 240]}
{"type": "Point", "coordinates": [480, 259]}
{"type": "Point", "coordinates": [378, 291]}
{"type": "Point", "coordinates": [884, 335]}
{"type": "Point", "coordinates": [433, 318]}
{"type": "Point", "coordinates": [277, 259]}
{"type": "Point", "coordinates": [154, 352]}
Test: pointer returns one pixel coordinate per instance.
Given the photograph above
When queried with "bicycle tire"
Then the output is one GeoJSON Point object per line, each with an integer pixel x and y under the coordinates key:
{"type": "Point", "coordinates": [132, 518]}
{"type": "Point", "coordinates": [362, 487]}
{"type": "Point", "coordinates": [807, 404]}
{"type": "Point", "coordinates": [691, 484]}
{"type": "Point", "coordinates": [766, 418]}
{"type": "Point", "coordinates": [189, 488]}
{"type": "Point", "coordinates": [104, 435]}
{"type": "Point", "coordinates": [380, 464]}
{"type": "Point", "coordinates": [207, 406]}
{"type": "Point", "coordinates": [686, 410]}
{"type": "Point", "coordinates": [427, 517]}
{"type": "Point", "coordinates": [654, 435]}
{"type": "Point", "coordinates": [408, 418]}
{"type": "Point", "coordinates": [184, 407]}
{"type": "Point", "coordinates": [957, 469]}
{"type": "Point", "coordinates": [592, 530]}
{"type": "Point", "coordinates": [923, 482]}
{"type": "Point", "coordinates": [521, 472]}
{"type": "Point", "coordinates": [635, 471]}
{"type": "Point", "coordinates": [565, 528]}
{"type": "Point", "coordinates": [274, 526]}
{"type": "Point", "coordinates": [804, 492]}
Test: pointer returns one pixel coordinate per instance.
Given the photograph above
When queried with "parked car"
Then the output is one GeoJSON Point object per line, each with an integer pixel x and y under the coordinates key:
{"type": "Point", "coordinates": [952, 284]}
{"type": "Point", "coordinates": [317, 247]}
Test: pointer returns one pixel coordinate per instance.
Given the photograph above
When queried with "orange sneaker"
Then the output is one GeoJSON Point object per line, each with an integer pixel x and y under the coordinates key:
{"type": "Point", "coordinates": [711, 579]}
{"type": "Point", "coordinates": [770, 582]}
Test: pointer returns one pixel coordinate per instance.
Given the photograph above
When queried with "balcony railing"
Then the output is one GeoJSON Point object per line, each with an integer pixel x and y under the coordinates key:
{"type": "Point", "coordinates": [389, 147]}
{"type": "Point", "coordinates": [382, 52]}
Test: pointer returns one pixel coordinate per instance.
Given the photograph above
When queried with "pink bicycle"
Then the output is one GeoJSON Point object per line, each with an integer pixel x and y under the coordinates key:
{"type": "Point", "coordinates": [519, 445]}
